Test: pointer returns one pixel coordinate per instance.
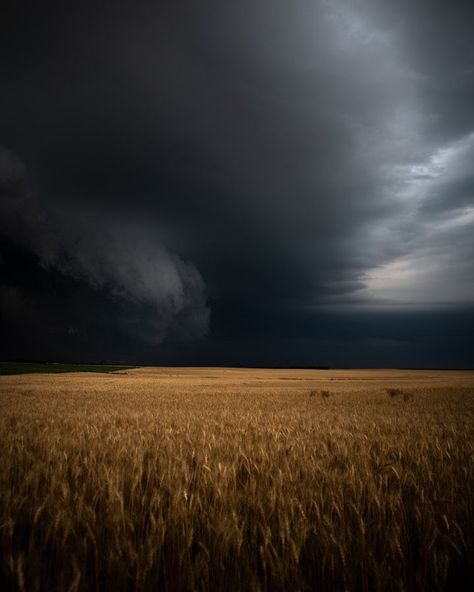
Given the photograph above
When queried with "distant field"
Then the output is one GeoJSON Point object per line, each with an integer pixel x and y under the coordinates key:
{"type": "Point", "coordinates": [234, 479]}
{"type": "Point", "coordinates": [7, 368]}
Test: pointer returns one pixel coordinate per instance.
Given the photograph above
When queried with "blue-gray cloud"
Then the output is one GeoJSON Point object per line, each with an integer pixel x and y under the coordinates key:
{"type": "Point", "coordinates": [306, 156]}
{"type": "Point", "coordinates": [122, 259]}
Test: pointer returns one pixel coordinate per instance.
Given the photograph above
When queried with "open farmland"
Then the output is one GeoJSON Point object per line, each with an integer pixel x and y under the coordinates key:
{"type": "Point", "coordinates": [234, 479]}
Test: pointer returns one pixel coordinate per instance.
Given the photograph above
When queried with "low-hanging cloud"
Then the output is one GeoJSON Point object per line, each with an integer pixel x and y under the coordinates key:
{"type": "Point", "coordinates": [309, 157]}
{"type": "Point", "coordinates": [120, 258]}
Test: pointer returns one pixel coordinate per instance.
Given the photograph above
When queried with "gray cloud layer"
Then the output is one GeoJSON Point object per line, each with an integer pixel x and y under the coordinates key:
{"type": "Point", "coordinates": [120, 258]}
{"type": "Point", "coordinates": [304, 155]}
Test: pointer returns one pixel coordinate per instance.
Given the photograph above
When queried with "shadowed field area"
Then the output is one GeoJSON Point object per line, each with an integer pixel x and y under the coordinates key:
{"type": "Point", "coordinates": [234, 479]}
{"type": "Point", "coordinates": [8, 368]}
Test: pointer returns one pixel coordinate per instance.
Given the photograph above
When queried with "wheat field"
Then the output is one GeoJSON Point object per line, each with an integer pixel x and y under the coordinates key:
{"type": "Point", "coordinates": [234, 479]}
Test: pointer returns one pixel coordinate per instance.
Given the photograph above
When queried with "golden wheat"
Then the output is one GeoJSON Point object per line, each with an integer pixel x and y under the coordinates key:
{"type": "Point", "coordinates": [237, 480]}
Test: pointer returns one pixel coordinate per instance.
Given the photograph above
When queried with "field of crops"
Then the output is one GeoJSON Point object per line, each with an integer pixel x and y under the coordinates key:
{"type": "Point", "coordinates": [7, 368]}
{"type": "Point", "coordinates": [221, 479]}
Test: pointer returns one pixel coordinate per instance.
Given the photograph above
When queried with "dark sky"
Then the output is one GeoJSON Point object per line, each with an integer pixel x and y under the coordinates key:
{"type": "Point", "coordinates": [238, 182]}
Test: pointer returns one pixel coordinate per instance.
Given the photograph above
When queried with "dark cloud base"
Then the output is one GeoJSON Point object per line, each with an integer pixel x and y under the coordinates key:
{"type": "Point", "coordinates": [253, 183]}
{"type": "Point", "coordinates": [49, 317]}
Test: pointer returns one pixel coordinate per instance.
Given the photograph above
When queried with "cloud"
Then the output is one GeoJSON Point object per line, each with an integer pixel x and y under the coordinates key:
{"type": "Point", "coordinates": [304, 156]}
{"type": "Point", "coordinates": [118, 257]}
{"type": "Point", "coordinates": [286, 150]}
{"type": "Point", "coordinates": [432, 230]}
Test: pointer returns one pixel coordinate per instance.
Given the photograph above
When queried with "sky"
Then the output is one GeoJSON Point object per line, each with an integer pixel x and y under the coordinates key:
{"type": "Point", "coordinates": [248, 182]}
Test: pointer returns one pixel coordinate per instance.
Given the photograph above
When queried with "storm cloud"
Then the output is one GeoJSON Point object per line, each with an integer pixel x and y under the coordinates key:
{"type": "Point", "coordinates": [125, 261]}
{"type": "Point", "coordinates": [248, 173]}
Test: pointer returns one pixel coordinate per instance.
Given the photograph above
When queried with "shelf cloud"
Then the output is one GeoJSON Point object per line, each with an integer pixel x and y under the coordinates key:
{"type": "Point", "coordinates": [229, 174]}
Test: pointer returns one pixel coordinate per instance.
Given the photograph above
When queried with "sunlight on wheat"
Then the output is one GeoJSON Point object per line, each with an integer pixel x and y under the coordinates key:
{"type": "Point", "coordinates": [245, 482]}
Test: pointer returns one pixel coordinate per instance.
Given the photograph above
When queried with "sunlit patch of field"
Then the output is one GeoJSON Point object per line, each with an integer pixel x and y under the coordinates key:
{"type": "Point", "coordinates": [221, 479]}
